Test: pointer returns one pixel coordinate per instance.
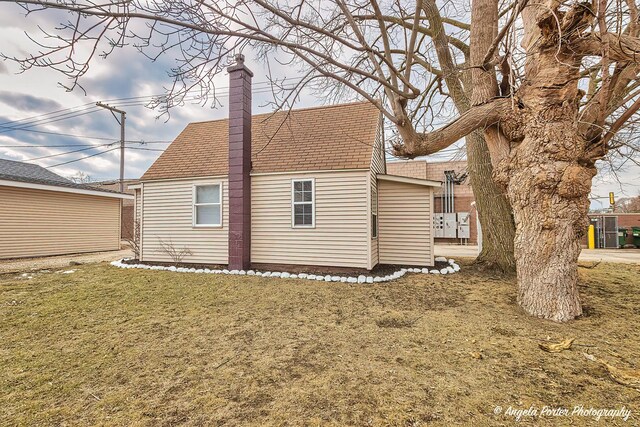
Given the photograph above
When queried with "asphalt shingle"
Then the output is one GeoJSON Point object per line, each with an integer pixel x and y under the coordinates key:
{"type": "Point", "coordinates": [321, 138]}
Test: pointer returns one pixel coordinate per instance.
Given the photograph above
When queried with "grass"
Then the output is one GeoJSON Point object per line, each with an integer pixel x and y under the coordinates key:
{"type": "Point", "coordinates": [105, 346]}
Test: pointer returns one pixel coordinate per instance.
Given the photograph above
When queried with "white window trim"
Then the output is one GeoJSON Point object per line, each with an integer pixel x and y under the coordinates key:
{"type": "Point", "coordinates": [313, 203]}
{"type": "Point", "coordinates": [193, 205]}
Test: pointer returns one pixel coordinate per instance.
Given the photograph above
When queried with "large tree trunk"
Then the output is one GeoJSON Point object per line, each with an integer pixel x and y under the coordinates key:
{"type": "Point", "coordinates": [493, 208]}
{"type": "Point", "coordinates": [548, 178]}
{"type": "Point", "coordinates": [494, 211]}
{"type": "Point", "coordinates": [549, 191]}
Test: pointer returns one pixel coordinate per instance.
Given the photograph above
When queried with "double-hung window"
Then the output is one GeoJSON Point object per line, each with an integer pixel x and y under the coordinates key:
{"type": "Point", "coordinates": [207, 205]}
{"type": "Point", "coordinates": [303, 203]}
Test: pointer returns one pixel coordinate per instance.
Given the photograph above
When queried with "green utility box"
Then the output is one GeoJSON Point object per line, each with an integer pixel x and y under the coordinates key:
{"type": "Point", "coordinates": [636, 236]}
{"type": "Point", "coordinates": [622, 237]}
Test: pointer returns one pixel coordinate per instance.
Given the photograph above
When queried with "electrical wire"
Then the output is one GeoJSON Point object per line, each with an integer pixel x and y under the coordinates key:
{"type": "Point", "coordinates": [82, 158]}
{"type": "Point", "coordinates": [68, 152]}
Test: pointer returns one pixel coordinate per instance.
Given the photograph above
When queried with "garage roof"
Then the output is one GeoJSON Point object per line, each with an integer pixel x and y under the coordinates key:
{"type": "Point", "coordinates": [34, 176]}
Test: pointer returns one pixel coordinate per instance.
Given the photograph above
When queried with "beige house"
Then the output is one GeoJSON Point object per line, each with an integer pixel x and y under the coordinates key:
{"type": "Point", "coordinates": [303, 187]}
{"type": "Point", "coordinates": [45, 214]}
{"type": "Point", "coordinates": [319, 194]}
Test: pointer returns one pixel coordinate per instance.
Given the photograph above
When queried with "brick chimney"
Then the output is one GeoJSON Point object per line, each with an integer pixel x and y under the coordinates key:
{"type": "Point", "coordinates": [239, 165]}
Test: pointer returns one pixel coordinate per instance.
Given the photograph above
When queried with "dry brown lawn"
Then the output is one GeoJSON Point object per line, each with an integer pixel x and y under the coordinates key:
{"type": "Point", "coordinates": [105, 346]}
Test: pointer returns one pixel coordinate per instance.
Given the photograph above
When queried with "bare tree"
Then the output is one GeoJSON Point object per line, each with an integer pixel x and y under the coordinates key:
{"type": "Point", "coordinates": [133, 237]}
{"type": "Point", "coordinates": [381, 52]}
{"type": "Point", "coordinates": [541, 89]}
{"type": "Point", "coordinates": [628, 205]}
{"type": "Point", "coordinates": [81, 178]}
{"type": "Point", "coordinates": [176, 254]}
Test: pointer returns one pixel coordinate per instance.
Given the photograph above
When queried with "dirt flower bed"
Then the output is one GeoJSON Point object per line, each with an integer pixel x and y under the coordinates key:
{"type": "Point", "coordinates": [109, 346]}
{"type": "Point", "coordinates": [379, 270]}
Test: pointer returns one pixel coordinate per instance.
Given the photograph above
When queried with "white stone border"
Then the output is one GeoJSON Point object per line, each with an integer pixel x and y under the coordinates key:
{"type": "Point", "coordinates": [450, 269]}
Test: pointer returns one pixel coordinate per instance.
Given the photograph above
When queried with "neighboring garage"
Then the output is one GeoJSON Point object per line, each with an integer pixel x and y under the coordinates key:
{"type": "Point", "coordinates": [44, 214]}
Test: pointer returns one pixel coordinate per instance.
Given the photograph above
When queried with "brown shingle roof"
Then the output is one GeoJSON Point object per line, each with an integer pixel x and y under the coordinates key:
{"type": "Point", "coordinates": [321, 138]}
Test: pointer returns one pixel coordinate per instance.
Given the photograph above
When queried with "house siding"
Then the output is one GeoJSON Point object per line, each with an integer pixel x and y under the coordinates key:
{"type": "Point", "coordinates": [43, 223]}
{"type": "Point", "coordinates": [378, 166]}
{"type": "Point", "coordinates": [167, 212]}
{"type": "Point", "coordinates": [340, 237]}
{"type": "Point", "coordinates": [405, 225]}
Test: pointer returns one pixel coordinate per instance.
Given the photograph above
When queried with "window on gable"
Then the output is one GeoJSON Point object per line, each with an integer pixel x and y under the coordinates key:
{"type": "Point", "coordinates": [303, 203]}
{"type": "Point", "coordinates": [207, 205]}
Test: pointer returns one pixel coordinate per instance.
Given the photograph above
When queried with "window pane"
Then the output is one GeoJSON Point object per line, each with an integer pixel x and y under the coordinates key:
{"type": "Point", "coordinates": [308, 196]}
{"type": "Point", "coordinates": [303, 214]}
{"type": "Point", "coordinates": [208, 215]}
{"type": "Point", "coordinates": [374, 225]}
{"type": "Point", "coordinates": [208, 194]}
{"type": "Point", "coordinates": [302, 191]}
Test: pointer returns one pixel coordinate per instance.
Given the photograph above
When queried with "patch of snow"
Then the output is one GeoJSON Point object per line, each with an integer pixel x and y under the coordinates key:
{"type": "Point", "coordinates": [68, 271]}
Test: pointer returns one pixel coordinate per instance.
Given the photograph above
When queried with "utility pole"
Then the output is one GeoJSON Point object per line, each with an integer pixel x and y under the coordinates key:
{"type": "Point", "coordinates": [123, 117]}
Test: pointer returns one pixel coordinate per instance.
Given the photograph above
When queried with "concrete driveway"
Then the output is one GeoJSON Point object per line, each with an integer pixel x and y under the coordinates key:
{"type": "Point", "coordinates": [628, 256]}
{"type": "Point", "coordinates": [61, 261]}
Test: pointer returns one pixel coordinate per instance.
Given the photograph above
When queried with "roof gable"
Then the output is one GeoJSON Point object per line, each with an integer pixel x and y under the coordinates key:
{"type": "Point", "coordinates": [322, 138]}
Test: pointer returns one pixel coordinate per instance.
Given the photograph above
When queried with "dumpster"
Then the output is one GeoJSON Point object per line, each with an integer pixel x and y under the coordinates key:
{"type": "Point", "coordinates": [622, 237]}
{"type": "Point", "coordinates": [636, 236]}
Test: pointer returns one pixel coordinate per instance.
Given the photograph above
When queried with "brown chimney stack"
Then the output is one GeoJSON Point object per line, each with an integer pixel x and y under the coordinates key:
{"type": "Point", "coordinates": [239, 165]}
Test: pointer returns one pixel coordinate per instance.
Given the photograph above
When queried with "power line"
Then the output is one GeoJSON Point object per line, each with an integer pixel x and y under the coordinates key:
{"type": "Point", "coordinates": [142, 142]}
{"type": "Point", "coordinates": [139, 99]}
{"type": "Point", "coordinates": [67, 152]}
{"type": "Point", "coordinates": [45, 121]}
{"type": "Point", "coordinates": [83, 158]}
{"type": "Point", "coordinates": [145, 149]}
{"type": "Point", "coordinates": [46, 114]}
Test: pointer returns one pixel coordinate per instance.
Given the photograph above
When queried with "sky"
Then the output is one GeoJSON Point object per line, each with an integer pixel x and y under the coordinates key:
{"type": "Point", "coordinates": [127, 74]}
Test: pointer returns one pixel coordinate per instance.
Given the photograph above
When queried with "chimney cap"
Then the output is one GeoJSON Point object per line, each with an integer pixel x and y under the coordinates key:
{"type": "Point", "coordinates": [239, 65]}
